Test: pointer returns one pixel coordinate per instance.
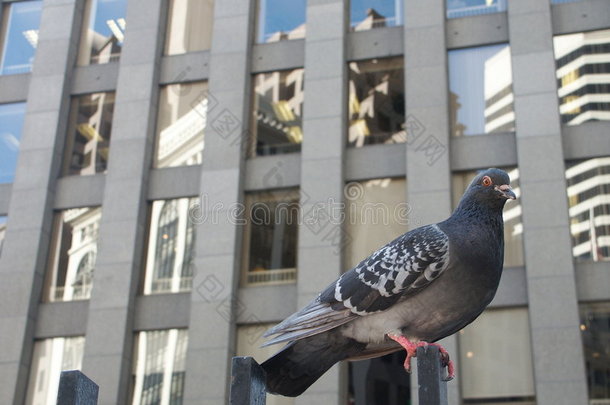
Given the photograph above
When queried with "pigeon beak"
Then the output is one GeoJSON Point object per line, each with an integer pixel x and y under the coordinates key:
{"type": "Point", "coordinates": [506, 192]}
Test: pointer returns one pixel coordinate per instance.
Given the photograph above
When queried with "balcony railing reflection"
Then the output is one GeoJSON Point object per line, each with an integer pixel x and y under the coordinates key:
{"type": "Point", "coordinates": [82, 292]}
{"type": "Point", "coordinates": [482, 9]}
{"type": "Point", "coordinates": [167, 285]}
{"type": "Point", "coordinates": [271, 277]}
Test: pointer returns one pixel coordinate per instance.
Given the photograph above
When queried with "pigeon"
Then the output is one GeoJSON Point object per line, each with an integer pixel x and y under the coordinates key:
{"type": "Point", "coordinates": [419, 288]}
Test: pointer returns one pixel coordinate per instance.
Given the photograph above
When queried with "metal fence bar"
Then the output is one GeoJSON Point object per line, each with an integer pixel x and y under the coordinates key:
{"type": "Point", "coordinates": [432, 389]}
{"type": "Point", "coordinates": [75, 388]}
{"type": "Point", "coordinates": [247, 382]}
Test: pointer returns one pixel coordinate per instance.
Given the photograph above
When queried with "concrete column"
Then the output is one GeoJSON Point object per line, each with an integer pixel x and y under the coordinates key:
{"type": "Point", "coordinates": [217, 266]}
{"type": "Point", "coordinates": [553, 306]}
{"type": "Point", "coordinates": [427, 126]}
{"type": "Point", "coordinates": [109, 339]}
{"type": "Point", "coordinates": [24, 256]}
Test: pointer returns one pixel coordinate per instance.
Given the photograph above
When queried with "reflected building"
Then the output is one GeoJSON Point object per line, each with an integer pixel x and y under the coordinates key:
{"type": "Point", "coordinates": [498, 92]}
{"type": "Point", "coordinates": [463, 8]}
{"type": "Point", "coordinates": [373, 20]}
{"type": "Point", "coordinates": [2, 232]}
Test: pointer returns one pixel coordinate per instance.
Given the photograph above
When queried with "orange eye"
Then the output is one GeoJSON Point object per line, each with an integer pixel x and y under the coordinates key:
{"type": "Point", "coordinates": [487, 181]}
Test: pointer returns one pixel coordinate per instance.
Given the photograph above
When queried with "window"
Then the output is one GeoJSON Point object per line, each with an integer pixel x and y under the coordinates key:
{"type": "Point", "coordinates": [50, 358]}
{"type": "Point", "coordinates": [11, 124]}
{"type": "Point", "coordinates": [368, 14]}
{"type": "Point", "coordinates": [72, 255]}
{"type": "Point", "coordinates": [483, 346]}
{"type": "Point", "coordinates": [588, 187]}
{"type": "Point", "coordinates": [376, 102]}
{"type": "Point", "coordinates": [88, 143]}
{"type": "Point", "coordinates": [180, 124]}
{"type": "Point", "coordinates": [19, 36]}
{"type": "Point", "coordinates": [189, 26]}
{"type": "Point", "coordinates": [583, 83]}
{"type": "Point", "coordinates": [382, 380]}
{"type": "Point", "coordinates": [277, 112]}
{"type": "Point", "coordinates": [280, 20]}
{"type": "Point", "coordinates": [2, 231]}
{"type": "Point", "coordinates": [464, 8]}
{"type": "Point", "coordinates": [595, 328]}
{"type": "Point", "coordinates": [376, 214]}
{"type": "Point", "coordinates": [171, 240]}
{"type": "Point", "coordinates": [481, 90]}
{"type": "Point", "coordinates": [270, 243]}
{"type": "Point", "coordinates": [103, 32]}
{"type": "Point", "coordinates": [513, 227]}
{"type": "Point", "coordinates": [159, 367]}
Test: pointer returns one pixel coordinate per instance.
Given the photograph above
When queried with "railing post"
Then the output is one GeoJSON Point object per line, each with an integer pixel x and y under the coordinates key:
{"type": "Point", "coordinates": [75, 388]}
{"type": "Point", "coordinates": [247, 382]}
{"type": "Point", "coordinates": [432, 389]}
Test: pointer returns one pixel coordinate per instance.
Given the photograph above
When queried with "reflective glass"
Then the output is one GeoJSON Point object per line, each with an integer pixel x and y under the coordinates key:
{"type": "Point", "coordinates": [280, 20]}
{"type": "Point", "coordinates": [171, 241]}
{"type": "Point", "coordinates": [2, 231]}
{"type": "Point", "coordinates": [464, 8]}
{"type": "Point", "coordinates": [88, 142]}
{"type": "Point", "coordinates": [271, 234]}
{"type": "Point", "coordinates": [50, 358]}
{"type": "Point", "coordinates": [381, 381]}
{"type": "Point", "coordinates": [588, 190]}
{"type": "Point", "coordinates": [159, 367]}
{"type": "Point", "coordinates": [19, 36]}
{"type": "Point", "coordinates": [11, 124]}
{"type": "Point", "coordinates": [481, 90]}
{"type": "Point", "coordinates": [277, 112]}
{"type": "Point", "coordinates": [103, 34]}
{"type": "Point", "coordinates": [595, 329]}
{"type": "Point", "coordinates": [189, 26]}
{"type": "Point", "coordinates": [368, 14]}
{"type": "Point", "coordinates": [376, 102]}
{"type": "Point", "coordinates": [180, 124]}
{"type": "Point", "coordinates": [72, 255]}
{"type": "Point", "coordinates": [513, 226]}
{"type": "Point", "coordinates": [583, 80]}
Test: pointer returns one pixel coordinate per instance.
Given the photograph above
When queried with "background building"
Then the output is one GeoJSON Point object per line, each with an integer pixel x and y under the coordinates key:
{"type": "Point", "coordinates": [178, 175]}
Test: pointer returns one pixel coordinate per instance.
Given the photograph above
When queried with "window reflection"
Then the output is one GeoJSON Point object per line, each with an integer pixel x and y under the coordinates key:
{"type": "Point", "coordinates": [589, 200]}
{"type": "Point", "coordinates": [181, 123]}
{"type": "Point", "coordinates": [88, 142]}
{"type": "Point", "coordinates": [583, 83]}
{"type": "Point", "coordinates": [376, 102]}
{"type": "Point", "coordinates": [379, 381]}
{"type": "Point", "coordinates": [368, 14]}
{"type": "Point", "coordinates": [72, 255]}
{"type": "Point", "coordinates": [189, 26]}
{"type": "Point", "coordinates": [50, 358]}
{"type": "Point", "coordinates": [595, 329]}
{"type": "Point", "coordinates": [19, 36]}
{"type": "Point", "coordinates": [171, 241]}
{"type": "Point", "coordinates": [481, 90]}
{"type": "Point", "coordinates": [11, 125]}
{"type": "Point", "coordinates": [270, 243]}
{"type": "Point", "coordinates": [277, 112]}
{"type": "Point", "coordinates": [280, 20]}
{"type": "Point", "coordinates": [159, 367]}
{"type": "Point", "coordinates": [464, 8]}
{"type": "Point", "coordinates": [2, 231]}
{"type": "Point", "coordinates": [513, 226]}
{"type": "Point", "coordinates": [103, 32]}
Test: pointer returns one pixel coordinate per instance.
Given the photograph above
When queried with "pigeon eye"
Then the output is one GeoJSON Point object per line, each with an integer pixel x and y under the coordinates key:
{"type": "Point", "coordinates": [487, 181]}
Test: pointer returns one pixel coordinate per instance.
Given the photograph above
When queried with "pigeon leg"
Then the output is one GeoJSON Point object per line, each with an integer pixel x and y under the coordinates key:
{"type": "Point", "coordinates": [411, 349]}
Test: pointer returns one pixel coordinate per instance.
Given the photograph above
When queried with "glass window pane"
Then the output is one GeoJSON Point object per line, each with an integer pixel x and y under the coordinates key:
{"type": "Point", "coordinates": [463, 8]}
{"type": "Point", "coordinates": [368, 14]}
{"type": "Point", "coordinates": [159, 367]}
{"type": "Point", "coordinates": [382, 380]}
{"type": "Point", "coordinates": [72, 255]}
{"type": "Point", "coordinates": [103, 34]}
{"type": "Point", "coordinates": [376, 102]}
{"type": "Point", "coordinates": [180, 124]}
{"type": "Point", "coordinates": [376, 214]}
{"type": "Point", "coordinates": [493, 367]}
{"type": "Point", "coordinates": [11, 125]}
{"type": "Point", "coordinates": [513, 227]}
{"type": "Point", "coordinates": [280, 20]}
{"type": "Point", "coordinates": [588, 189]}
{"type": "Point", "coordinates": [595, 327]}
{"type": "Point", "coordinates": [583, 86]}
{"type": "Point", "coordinates": [2, 231]}
{"type": "Point", "coordinates": [171, 241]}
{"type": "Point", "coordinates": [481, 90]}
{"type": "Point", "coordinates": [88, 141]}
{"type": "Point", "coordinates": [50, 358]}
{"type": "Point", "coordinates": [277, 112]}
{"type": "Point", "coordinates": [189, 26]}
{"type": "Point", "coordinates": [20, 22]}
{"type": "Point", "coordinates": [271, 237]}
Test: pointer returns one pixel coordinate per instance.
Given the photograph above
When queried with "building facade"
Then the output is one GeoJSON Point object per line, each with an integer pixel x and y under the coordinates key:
{"type": "Point", "coordinates": [176, 176]}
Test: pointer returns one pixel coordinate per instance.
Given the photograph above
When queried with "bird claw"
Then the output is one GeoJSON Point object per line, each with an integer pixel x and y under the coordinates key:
{"type": "Point", "coordinates": [411, 349]}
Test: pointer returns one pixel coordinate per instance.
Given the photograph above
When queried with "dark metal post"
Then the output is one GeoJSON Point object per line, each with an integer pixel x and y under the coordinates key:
{"type": "Point", "coordinates": [247, 382]}
{"type": "Point", "coordinates": [75, 388]}
{"type": "Point", "coordinates": [432, 389]}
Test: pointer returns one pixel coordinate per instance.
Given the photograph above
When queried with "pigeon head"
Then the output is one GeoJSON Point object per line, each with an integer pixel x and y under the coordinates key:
{"type": "Point", "coordinates": [490, 188]}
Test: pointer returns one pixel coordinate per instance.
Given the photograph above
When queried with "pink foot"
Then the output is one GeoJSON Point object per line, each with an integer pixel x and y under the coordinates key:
{"type": "Point", "coordinates": [411, 349]}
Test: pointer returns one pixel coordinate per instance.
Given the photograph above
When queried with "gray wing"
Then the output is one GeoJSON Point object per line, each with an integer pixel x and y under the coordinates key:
{"type": "Point", "coordinates": [401, 268]}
